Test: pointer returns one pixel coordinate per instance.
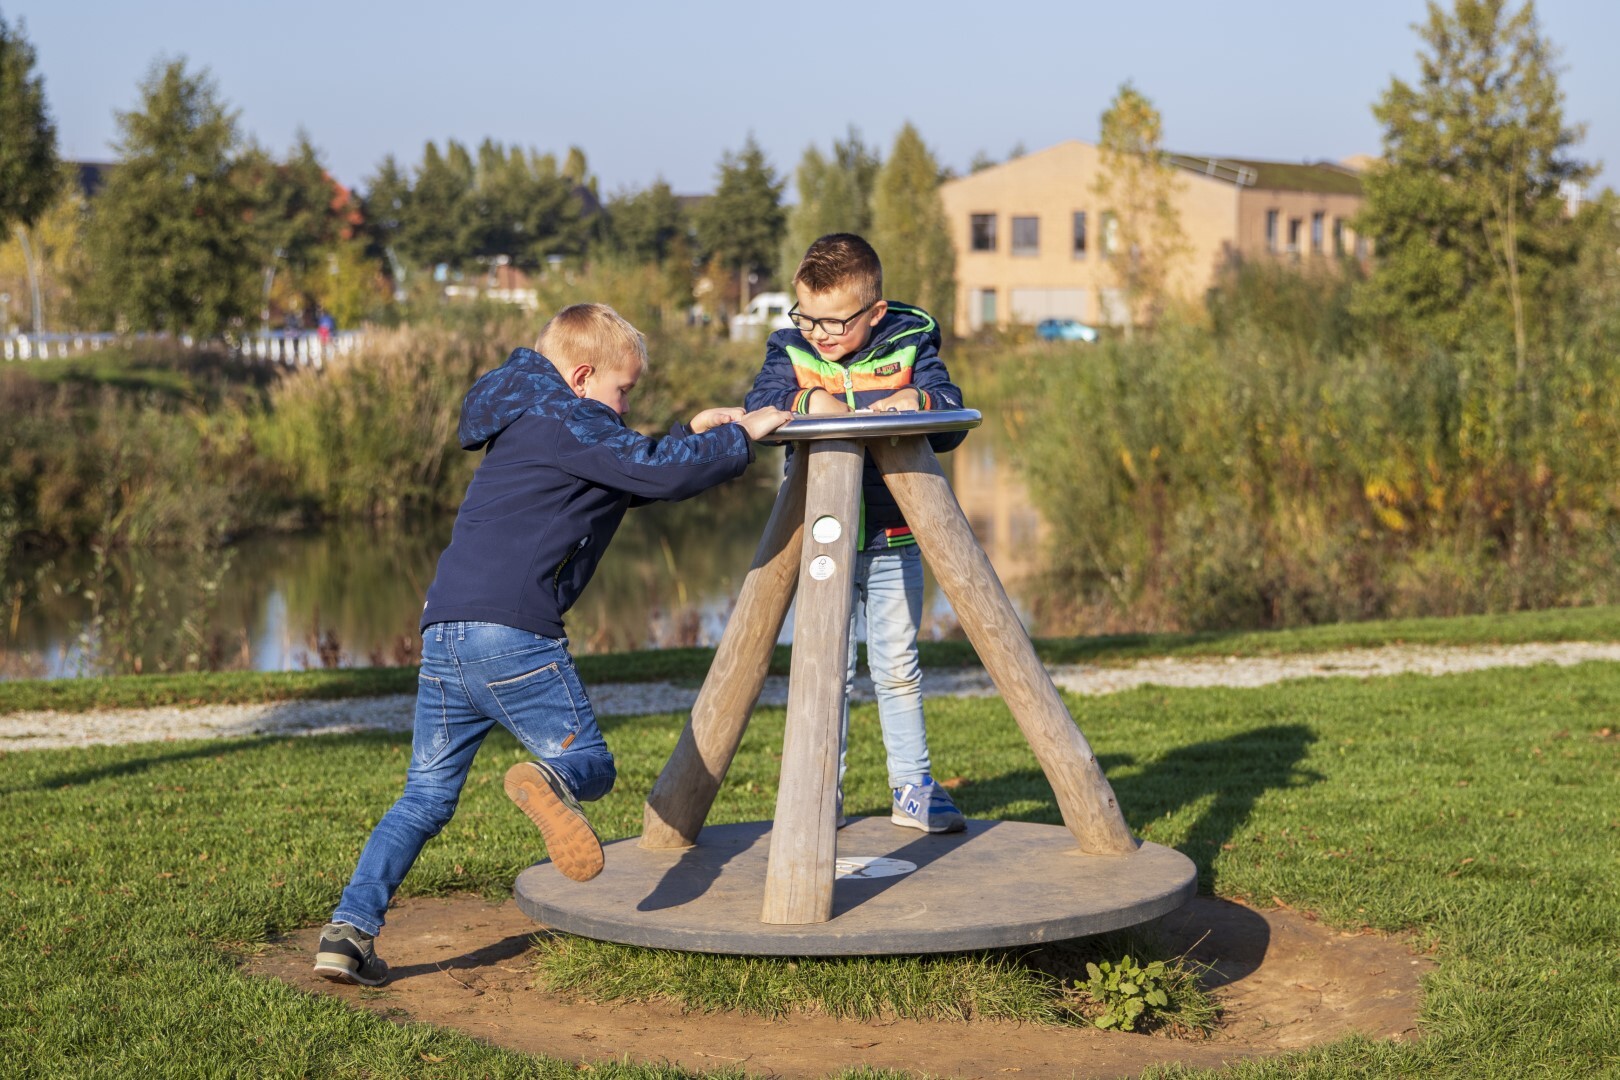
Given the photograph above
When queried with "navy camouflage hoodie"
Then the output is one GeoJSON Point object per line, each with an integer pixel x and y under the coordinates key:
{"type": "Point", "coordinates": [558, 473]}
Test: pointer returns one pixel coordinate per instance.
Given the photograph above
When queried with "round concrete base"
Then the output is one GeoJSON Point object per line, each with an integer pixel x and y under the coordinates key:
{"type": "Point", "coordinates": [898, 891]}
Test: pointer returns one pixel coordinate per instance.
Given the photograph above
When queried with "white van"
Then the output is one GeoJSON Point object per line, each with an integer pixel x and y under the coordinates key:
{"type": "Point", "coordinates": [764, 314]}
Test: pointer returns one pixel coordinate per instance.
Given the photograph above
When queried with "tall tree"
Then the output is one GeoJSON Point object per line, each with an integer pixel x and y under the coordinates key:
{"type": "Point", "coordinates": [385, 207]}
{"type": "Point", "coordinates": [435, 231]}
{"type": "Point", "coordinates": [296, 217]}
{"type": "Point", "coordinates": [741, 226]}
{"type": "Point", "coordinates": [647, 225]}
{"type": "Point", "coordinates": [29, 176]}
{"type": "Point", "coordinates": [909, 230]}
{"type": "Point", "coordinates": [1472, 237]}
{"type": "Point", "coordinates": [1466, 211]}
{"type": "Point", "coordinates": [1137, 185]}
{"type": "Point", "coordinates": [28, 164]}
{"type": "Point", "coordinates": [835, 195]}
{"type": "Point", "coordinates": [168, 236]}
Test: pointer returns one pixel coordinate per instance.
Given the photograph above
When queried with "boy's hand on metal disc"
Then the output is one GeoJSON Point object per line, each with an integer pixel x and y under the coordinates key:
{"type": "Point", "coordinates": [761, 422]}
{"type": "Point", "coordinates": [907, 400]}
{"type": "Point", "coordinates": [823, 403]}
{"type": "Point", "coordinates": [713, 418]}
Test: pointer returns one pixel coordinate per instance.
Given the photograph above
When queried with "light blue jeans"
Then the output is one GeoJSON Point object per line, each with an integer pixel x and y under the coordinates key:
{"type": "Point", "coordinates": [476, 675]}
{"type": "Point", "coordinates": [889, 589]}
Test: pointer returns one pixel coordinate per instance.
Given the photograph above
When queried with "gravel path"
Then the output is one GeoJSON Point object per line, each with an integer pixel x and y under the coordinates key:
{"type": "Point", "coordinates": [49, 729]}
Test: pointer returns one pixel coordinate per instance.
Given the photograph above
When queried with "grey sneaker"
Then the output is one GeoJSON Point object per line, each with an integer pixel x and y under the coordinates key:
{"type": "Point", "coordinates": [347, 954]}
{"type": "Point", "coordinates": [928, 807]}
{"type": "Point", "coordinates": [570, 841]}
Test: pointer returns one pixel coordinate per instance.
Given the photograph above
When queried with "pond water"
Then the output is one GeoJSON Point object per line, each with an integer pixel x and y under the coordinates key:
{"type": "Point", "coordinates": [351, 596]}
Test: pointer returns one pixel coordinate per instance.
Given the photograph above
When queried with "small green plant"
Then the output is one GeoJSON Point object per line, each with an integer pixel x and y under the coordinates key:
{"type": "Point", "coordinates": [1126, 992]}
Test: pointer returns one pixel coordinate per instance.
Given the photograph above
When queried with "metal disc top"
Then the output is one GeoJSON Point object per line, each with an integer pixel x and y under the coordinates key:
{"type": "Point", "coordinates": [868, 425]}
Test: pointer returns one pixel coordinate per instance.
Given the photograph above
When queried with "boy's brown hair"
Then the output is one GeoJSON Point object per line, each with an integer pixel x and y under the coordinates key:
{"type": "Point", "coordinates": [838, 260]}
{"type": "Point", "coordinates": [591, 334]}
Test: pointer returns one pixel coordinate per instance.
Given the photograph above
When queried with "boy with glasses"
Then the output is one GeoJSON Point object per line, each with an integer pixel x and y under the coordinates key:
{"type": "Point", "coordinates": [851, 350]}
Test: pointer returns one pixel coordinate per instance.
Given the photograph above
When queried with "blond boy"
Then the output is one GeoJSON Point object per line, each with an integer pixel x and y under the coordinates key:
{"type": "Point", "coordinates": [560, 469]}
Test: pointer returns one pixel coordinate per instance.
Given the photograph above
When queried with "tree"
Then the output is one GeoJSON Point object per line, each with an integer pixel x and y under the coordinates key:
{"type": "Point", "coordinates": [741, 226]}
{"type": "Point", "coordinates": [168, 238]}
{"type": "Point", "coordinates": [297, 215]}
{"type": "Point", "coordinates": [834, 196]}
{"type": "Point", "coordinates": [647, 225]}
{"type": "Point", "coordinates": [909, 231]}
{"type": "Point", "coordinates": [1466, 211]}
{"type": "Point", "coordinates": [1137, 185]}
{"type": "Point", "coordinates": [1474, 245]}
{"type": "Point", "coordinates": [384, 208]}
{"type": "Point", "coordinates": [29, 173]}
{"type": "Point", "coordinates": [53, 261]}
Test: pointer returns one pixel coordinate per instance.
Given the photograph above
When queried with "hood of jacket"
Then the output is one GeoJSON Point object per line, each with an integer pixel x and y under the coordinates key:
{"type": "Point", "coordinates": [526, 382]}
{"type": "Point", "coordinates": [901, 325]}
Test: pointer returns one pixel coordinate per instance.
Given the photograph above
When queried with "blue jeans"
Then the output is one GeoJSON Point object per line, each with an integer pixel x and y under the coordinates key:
{"type": "Point", "coordinates": [889, 588]}
{"type": "Point", "coordinates": [475, 675]}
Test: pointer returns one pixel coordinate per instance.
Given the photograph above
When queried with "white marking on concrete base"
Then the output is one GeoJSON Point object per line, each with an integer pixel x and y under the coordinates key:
{"type": "Point", "coordinates": [871, 866]}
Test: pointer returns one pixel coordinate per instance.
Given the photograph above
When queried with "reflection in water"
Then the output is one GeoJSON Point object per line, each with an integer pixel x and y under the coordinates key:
{"type": "Point", "coordinates": [351, 596]}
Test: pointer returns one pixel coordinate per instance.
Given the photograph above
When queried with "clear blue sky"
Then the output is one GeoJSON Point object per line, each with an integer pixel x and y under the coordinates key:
{"type": "Point", "coordinates": [664, 89]}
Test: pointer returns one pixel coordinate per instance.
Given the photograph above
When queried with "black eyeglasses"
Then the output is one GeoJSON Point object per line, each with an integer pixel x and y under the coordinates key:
{"type": "Point", "coordinates": [830, 327]}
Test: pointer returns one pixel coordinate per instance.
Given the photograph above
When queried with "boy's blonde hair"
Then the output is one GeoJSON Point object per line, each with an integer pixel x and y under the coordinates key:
{"type": "Point", "coordinates": [838, 260]}
{"type": "Point", "coordinates": [591, 334]}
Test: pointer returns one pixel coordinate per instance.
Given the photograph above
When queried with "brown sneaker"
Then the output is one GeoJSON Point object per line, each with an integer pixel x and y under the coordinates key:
{"type": "Point", "coordinates": [570, 841]}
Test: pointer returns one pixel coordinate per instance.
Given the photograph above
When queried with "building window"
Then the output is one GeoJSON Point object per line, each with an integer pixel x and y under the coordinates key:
{"type": "Point", "coordinates": [1295, 227]}
{"type": "Point", "coordinates": [1317, 221]}
{"type": "Point", "coordinates": [1271, 230]}
{"type": "Point", "coordinates": [1110, 234]}
{"type": "Point", "coordinates": [1079, 234]}
{"type": "Point", "coordinates": [1361, 247]}
{"type": "Point", "coordinates": [987, 307]}
{"type": "Point", "coordinates": [1338, 236]}
{"type": "Point", "coordinates": [984, 232]}
{"type": "Point", "coordinates": [1026, 236]}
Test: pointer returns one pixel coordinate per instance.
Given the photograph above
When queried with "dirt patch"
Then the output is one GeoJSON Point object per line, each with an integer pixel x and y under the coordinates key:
{"type": "Point", "coordinates": [1284, 981]}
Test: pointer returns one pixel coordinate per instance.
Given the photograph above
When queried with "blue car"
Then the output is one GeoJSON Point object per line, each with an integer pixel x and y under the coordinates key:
{"type": "Point", "coordinates": [1064, 330]}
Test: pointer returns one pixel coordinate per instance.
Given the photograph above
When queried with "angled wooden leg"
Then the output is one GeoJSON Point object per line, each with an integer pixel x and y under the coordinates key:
{"type": "Point", "coordinates": [804, 836]}
{"type": "Point", "coordinates": [1084, 796]}
{"type": "Point", "coordinates": [684, 792]}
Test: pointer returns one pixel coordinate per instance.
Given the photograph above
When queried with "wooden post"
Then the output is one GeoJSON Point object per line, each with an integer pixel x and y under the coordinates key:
{"type": "Point", "coordinates": [804, 836]}
{"type": "Point", "coordinates": [684, 792]}
{"type": "Point", "coordinates": [1084, 796]}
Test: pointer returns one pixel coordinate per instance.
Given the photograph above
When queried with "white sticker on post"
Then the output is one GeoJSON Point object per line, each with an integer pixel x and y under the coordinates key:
{"type": "Point", "coordinates": [822, 567]}
{"type": "Point", "coordinates": [826, 529]}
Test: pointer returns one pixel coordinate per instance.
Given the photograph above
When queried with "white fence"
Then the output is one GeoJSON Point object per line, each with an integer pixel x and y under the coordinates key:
{"type": "Point", "coordinates": [301, 348]}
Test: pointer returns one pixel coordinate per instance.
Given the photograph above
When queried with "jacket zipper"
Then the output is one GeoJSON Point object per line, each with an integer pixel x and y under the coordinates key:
{"type": "Point", "coordinates": [579, 546]}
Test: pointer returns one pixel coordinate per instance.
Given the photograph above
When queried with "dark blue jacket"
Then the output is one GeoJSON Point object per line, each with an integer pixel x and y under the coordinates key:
{"type": "Point", "coordinates": [902, 352]}
{"type": "Point", "coordinates": [558, 473]}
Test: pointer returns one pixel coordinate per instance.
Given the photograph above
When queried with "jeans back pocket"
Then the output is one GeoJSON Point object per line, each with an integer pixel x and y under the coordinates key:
{"type": "Point", "coordinates": [539, 708]}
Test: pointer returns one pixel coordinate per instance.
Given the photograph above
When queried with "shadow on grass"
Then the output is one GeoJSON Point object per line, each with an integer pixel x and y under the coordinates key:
{"type": "Point", "coordinates": [115, 770]}
{"type": "Point", "coordinates": [1231, 774]}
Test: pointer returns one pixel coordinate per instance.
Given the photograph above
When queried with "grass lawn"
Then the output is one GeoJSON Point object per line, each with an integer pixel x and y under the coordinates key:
{"type": "Point", "coordinates": [691, 664]}
{"type": "Point", "coordinates": [1480, 812]}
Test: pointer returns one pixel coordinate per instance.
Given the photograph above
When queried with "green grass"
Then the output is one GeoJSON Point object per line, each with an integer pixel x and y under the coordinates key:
{"type": "Point", "coordinates": [1478, 812]}
{"type": "Point", "coordinates": [690, 665]}
{"type": "Point", "coordinates": [1036, 985]}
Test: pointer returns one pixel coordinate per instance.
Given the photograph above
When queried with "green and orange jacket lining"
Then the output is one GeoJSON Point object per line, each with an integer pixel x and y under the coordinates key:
{"type": "Point", "coordinates": [903, 352]}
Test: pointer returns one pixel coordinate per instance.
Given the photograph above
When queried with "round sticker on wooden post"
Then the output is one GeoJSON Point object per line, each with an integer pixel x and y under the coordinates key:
{"type": "Point", "coordinates": [822, 567]}
{"type": "Point", "coordinates": [826, 529]}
